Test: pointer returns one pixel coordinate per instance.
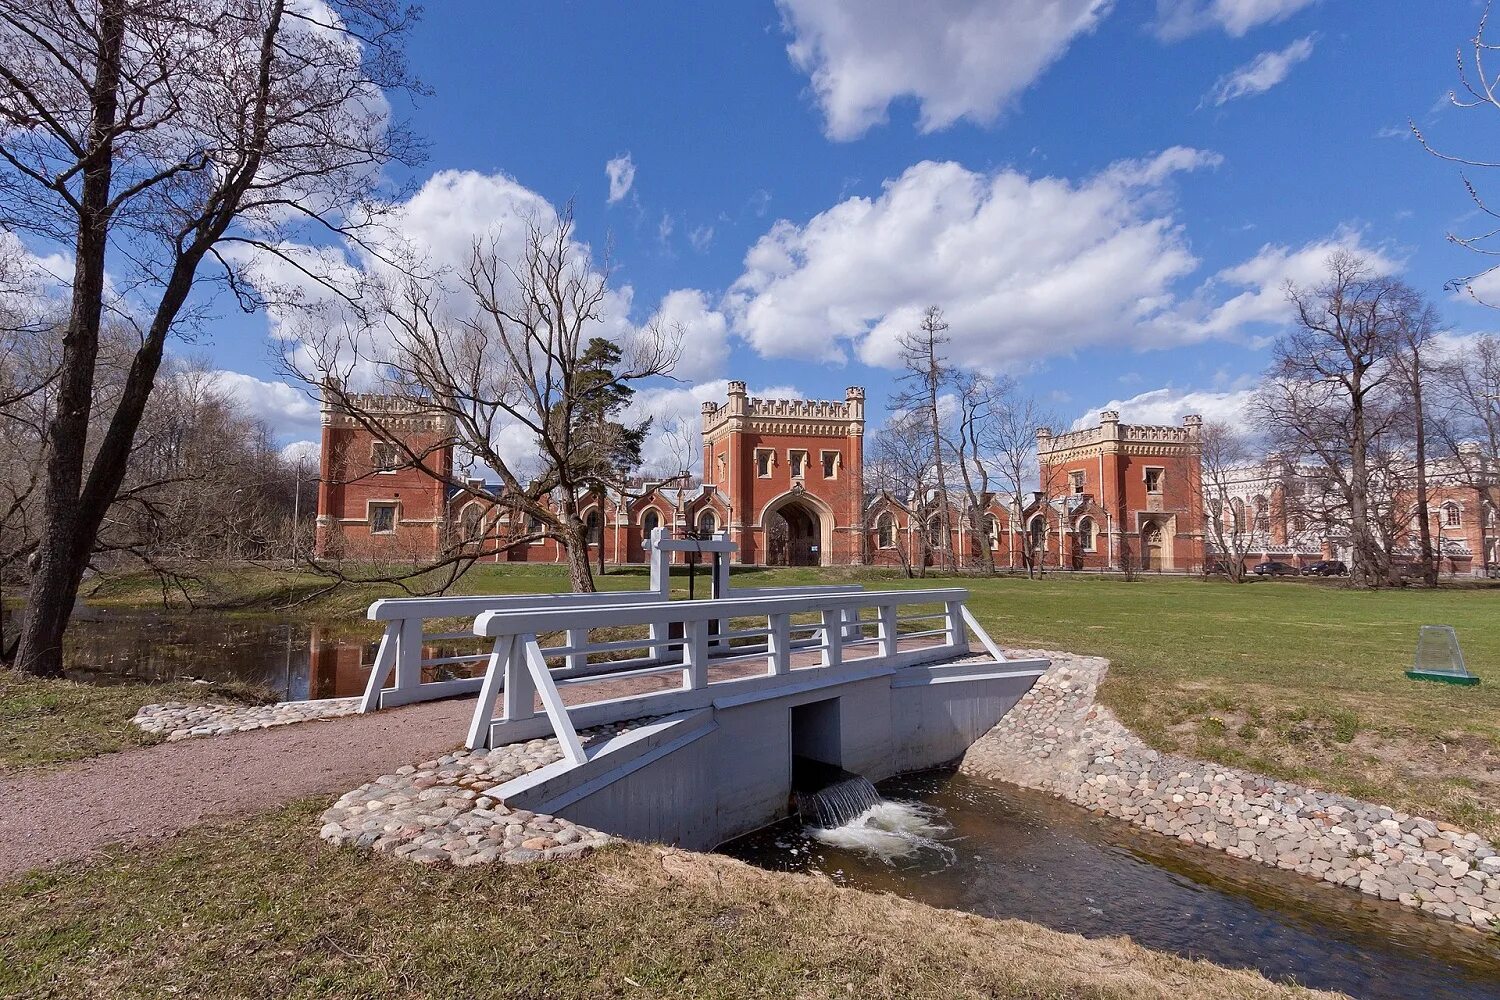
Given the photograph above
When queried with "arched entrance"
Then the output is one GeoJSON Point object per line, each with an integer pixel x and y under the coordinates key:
{"type": "Point", "coordinates": [794, 536]}
{"type": "Point", "coordinates": [1152, 547]}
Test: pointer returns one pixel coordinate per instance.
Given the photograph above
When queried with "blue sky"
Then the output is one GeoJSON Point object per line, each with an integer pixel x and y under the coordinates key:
{"type": "Point", "coordinates": [1105, 197]}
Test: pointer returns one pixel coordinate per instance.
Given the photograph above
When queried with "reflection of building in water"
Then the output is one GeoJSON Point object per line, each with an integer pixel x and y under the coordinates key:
{"type": "Point", "coordinates": [337, 669]}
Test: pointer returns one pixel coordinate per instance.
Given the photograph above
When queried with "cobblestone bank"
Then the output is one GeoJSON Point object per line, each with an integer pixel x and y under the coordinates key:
{"type": "Point", "coordinates": [440, 810]}
{"type": "Point", "coordinates": [1058, 740]}
{"type": "Point", "coordinates": [180, 720]}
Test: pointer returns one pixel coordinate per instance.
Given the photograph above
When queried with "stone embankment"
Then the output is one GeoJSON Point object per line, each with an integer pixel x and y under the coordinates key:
{"type": "Point", "coordinates": [1058, 740]}
{"type": "Point", "coordinates": [443, 809]}
{"type": "Point", "coordinates": [181, 721]}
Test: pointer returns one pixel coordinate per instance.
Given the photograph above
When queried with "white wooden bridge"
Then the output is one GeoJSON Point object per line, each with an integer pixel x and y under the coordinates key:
{"type": "Point", "coordinates": [876, 681]}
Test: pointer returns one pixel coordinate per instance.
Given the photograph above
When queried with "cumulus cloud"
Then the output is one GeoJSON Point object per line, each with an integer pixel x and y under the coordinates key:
{"type": "Point", "coordinates": [704, 333]}
{"type": "Point", "coordinates": [621, 174]}
{"type": "Point", "coordinates": [1024, 267]}
{"type": "Point", "coordinates": [1261, 73]}
{"type": "Point", "coordinates": [1167, 406]}
{"type": "Point", "coordinates": [1177, 19]}
{"type": "Point", "coordinates": [302, 451]}
{"type": "Point", "coordinates": [287, 409]}
{"type": "Point", "coordinates": [1263, 281]}
{"type": "Point", "coordinates": [956, 58]}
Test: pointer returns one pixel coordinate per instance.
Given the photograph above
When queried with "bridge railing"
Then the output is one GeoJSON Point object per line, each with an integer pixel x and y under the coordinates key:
{"type": "Point", "coordinates": [768, 639]}
{"type": "Point", "coordinates": [410, 649]}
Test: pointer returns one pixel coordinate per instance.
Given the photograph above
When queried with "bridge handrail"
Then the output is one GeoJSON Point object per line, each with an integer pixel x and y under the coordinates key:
{"type": "Point", "coordinates": [519, 670]}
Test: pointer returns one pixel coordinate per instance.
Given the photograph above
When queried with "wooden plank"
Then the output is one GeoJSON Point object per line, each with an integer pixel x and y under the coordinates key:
{"type": "Point", "coordinates": [567, 736]}
{"type": "Point", "coordinates": [385, 658]}
{"type": "Point", "coordinates": [982, 635]}
{"type": "Point", "coordinates": [409, 654]}
{"type": "Point", "coordinates": [489, 692]}
{"type": "Point", "coordinates": [520, 693]}
{"type": "Point", "coordinates": [695, 656]}
{"type": "Point", "coordinates": [887, 617]}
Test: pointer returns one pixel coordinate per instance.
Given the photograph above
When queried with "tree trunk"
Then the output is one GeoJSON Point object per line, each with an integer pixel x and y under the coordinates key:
{"type": "Point", "coordinates": [1424, 522]}
{"type": "Point", "coordinates": [573, 537]}
{"type": "Point", "coordinates": [62, 551]}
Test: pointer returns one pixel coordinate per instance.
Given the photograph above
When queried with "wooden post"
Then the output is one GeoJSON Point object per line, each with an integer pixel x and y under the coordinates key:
{"type": "Point", "coordinates": [779, 643]}
{"type": "Point", "coordinates": [409, 655]}
{"type": "Point", "coordinates": [494, 681]}
{"type": "Point", "coordinates": [520, 692]}
{"type": "Point", "coordinates": [957, 637]}
{"type": "Point", "coordinates": [695, 654]}
{"type": "Point", "coordinates": [887, 629]}
{"type": "Point", "coordinates": [833, 637]}
{"type": "Point", "coordinates": [576, 637]}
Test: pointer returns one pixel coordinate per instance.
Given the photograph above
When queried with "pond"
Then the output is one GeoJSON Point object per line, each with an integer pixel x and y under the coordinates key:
{"type": "Point", "coordinates": [1001, 851]}
{"type": "Point", "coordinates": [292, 660]}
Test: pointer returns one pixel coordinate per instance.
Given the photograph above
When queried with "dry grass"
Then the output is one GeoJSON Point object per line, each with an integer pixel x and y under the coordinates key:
{"type": "Point", "coordinates": [52, 722]}
{"type": "Point", "coordinates": [260, 908]}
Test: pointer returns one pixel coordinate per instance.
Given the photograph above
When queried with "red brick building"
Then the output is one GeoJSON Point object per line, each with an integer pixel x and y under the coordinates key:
{"type": "Point", "coordinates": [1119, 494]}
{"type": "Point", "coordinates": [783, 476]}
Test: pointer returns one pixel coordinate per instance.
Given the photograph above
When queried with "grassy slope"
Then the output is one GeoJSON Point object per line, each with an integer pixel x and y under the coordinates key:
{"type": "Point", "coordinates": [261, 908]}
{"type": "Point", "coordinates": [52, 722]}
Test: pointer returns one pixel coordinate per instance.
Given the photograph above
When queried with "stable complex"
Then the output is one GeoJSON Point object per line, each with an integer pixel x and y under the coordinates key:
{"type": "Point", "coordinates": [785, 478]}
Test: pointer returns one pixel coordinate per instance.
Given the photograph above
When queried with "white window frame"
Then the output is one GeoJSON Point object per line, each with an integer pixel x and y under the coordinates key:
{"type": "Point", "coordinates": [1161, 475]}
{"type": "Point", "coordinates": [880, 542]}
{"type": "Point", "coordinates": [375, 447]}
{"type": "Point", "coordinates": [394, 505]}
{"type": "Point", "coordinates": [769, 465]}
{"type": "Point", "coordinates": [838, 461]}
{"type": "Point", "coordinates": [791, 459]}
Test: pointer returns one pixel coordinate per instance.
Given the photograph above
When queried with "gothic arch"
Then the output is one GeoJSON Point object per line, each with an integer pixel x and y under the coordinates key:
{"type": "Point", "coordinates": [821, 513]}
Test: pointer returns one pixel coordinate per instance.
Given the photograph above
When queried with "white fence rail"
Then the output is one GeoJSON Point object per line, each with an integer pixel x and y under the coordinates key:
{"type": "Point", "coordinates": [841, 628]}
{"type": "Point", "coordinates": [407, 648]}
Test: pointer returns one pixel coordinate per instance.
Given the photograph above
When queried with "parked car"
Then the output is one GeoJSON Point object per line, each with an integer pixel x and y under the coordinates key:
{"type": "Point", "coordinates": [1275, 569]}
{"type": "Point", "coordinates": [1327, 567]}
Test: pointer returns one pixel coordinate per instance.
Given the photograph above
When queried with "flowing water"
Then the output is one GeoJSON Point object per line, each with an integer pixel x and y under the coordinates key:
{"type": "Point", "coordinates": [954, 842]}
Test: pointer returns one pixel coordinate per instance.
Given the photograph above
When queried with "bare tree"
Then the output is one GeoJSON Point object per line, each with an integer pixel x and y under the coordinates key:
{"type": "Point", "coordinates": [1228, 470]}
{"type": "Point", "coordinates": [1332, 390]}
{"type": "Point", "coordinates": [1416, 325]}
{"type": "Point", "coordinates": [164, 142]}
{"type": "Point", "coordinates": [1011, 433]}
{"type": "Point", "coordinates": [925, 374]}
{"type": "Point", "coordinates": [969, 442]}
{"type": "Point", "coordinates": [517, 346]}
{"type": "Point", "coordinates": [1466, 424]}
{"type": "Point", "coordinates": [900, 465]}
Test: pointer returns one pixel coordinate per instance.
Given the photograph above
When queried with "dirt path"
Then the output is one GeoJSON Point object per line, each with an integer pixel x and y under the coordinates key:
{"type": "Point", "coordinates": [71, 812]}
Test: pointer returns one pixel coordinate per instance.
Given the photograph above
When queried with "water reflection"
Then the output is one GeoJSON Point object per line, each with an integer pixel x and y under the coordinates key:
{"type": "Point", "coordinates": [1026, 855]}
{"type": "Point", "coordinates": [290, 659]}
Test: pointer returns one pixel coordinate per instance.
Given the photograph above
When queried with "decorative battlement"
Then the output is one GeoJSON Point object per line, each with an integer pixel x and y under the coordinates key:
{"type": "Point", "coordinates": [812, 416]}
{"type": "Point", "coordinates": [1112, 435]}
{"type": "Point", "coordinates": [389, 411]}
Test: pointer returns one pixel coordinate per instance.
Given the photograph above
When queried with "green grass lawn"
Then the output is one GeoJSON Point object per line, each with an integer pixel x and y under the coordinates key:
{"type": "Point", "coordinates": [261, 908]}
{"type": "Point", "coordinates": [1300, 680]}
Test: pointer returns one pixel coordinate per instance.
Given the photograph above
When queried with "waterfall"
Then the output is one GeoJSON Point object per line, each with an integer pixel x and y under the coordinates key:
{"type": "Point", "coordinates": [844, 810]}
{"type": "Point", "coordinates": [838, 803]}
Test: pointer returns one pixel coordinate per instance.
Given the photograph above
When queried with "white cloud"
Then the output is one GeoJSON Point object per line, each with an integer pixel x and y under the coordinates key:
{"type": "Point", "coordinates": [286, 409]}
{"type": "Point", "coordinates": [1167, 407]}
{"type": "Point", "coordinates": [1176, 19]}
{"type": "Point", "coordinates": [702, 237]}
{"type": "Point", "coordinates": [705, 333]}
{"type": "Point", "coordinates": [1264, 279]}
{"type": "Point", "coordinates": [1023, 267]}
{"type": "Point", "coordinates": [1261, 73]}
{"type": "Point", "coordinates": [302, 451]}
{"type": "Point", "coordinates": [621, 173]}
{"type": "Point", "coordinates": [957, 58]}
